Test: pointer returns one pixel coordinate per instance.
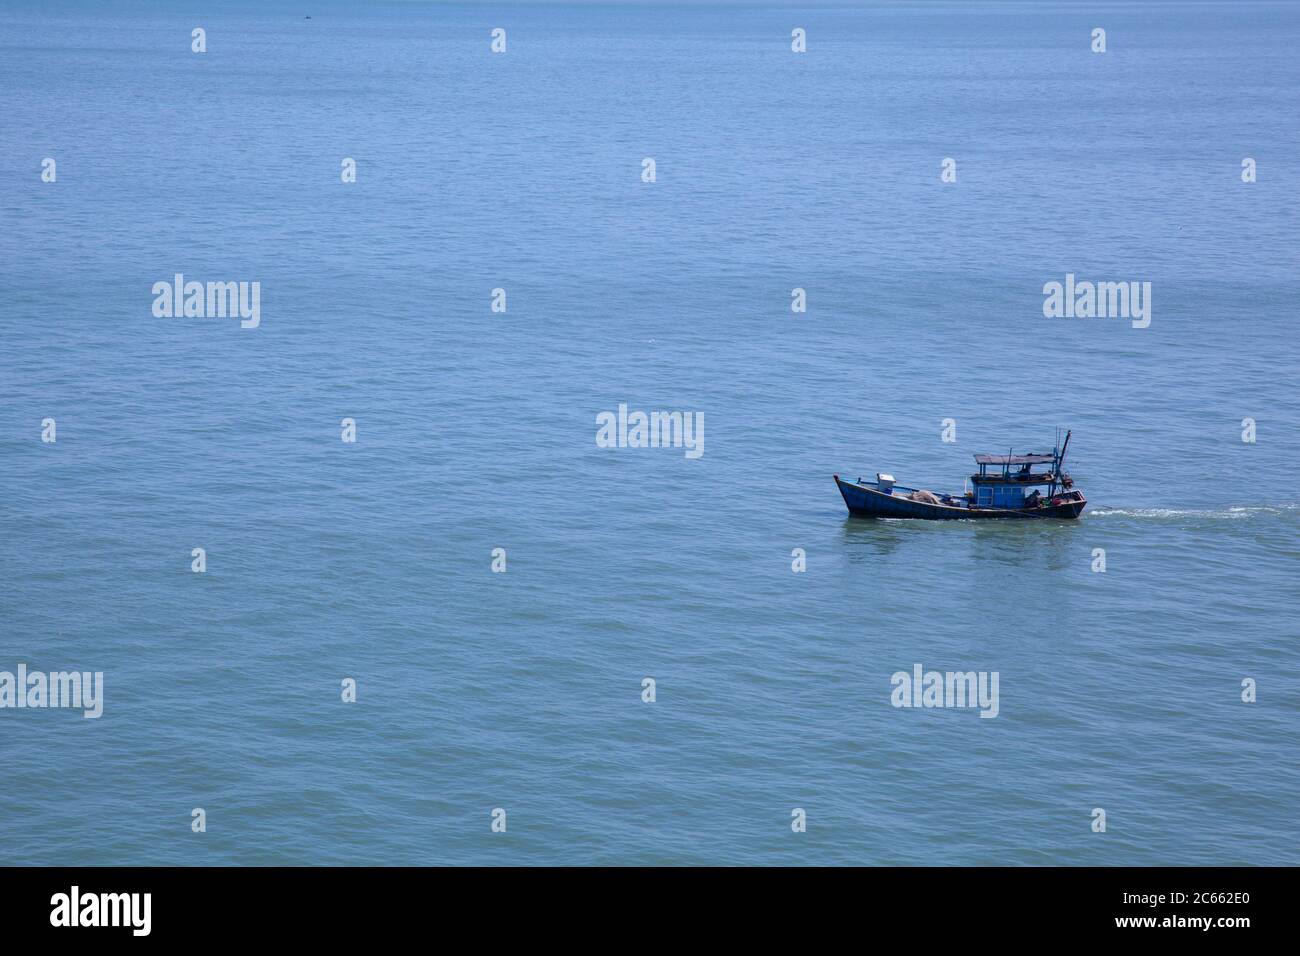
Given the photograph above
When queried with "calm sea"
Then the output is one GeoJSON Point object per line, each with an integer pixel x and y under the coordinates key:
{"type": "Point", "coordinates": [475, 430]}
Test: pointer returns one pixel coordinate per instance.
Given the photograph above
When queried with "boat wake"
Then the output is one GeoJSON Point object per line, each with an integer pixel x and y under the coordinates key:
{"type": "Point", "coordinates": [1219, 513]}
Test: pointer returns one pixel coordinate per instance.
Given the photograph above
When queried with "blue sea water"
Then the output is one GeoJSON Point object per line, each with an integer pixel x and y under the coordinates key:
{"type": "Point", "coordinates": [476, 430]}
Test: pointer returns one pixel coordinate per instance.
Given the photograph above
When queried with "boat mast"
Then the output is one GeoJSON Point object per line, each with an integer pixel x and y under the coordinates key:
{"type": "Point", "coordinates": [1060, 460]}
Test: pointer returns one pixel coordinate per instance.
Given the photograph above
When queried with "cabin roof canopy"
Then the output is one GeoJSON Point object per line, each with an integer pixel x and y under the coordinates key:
{"type": "Point", "coordinates": [1013, 459]}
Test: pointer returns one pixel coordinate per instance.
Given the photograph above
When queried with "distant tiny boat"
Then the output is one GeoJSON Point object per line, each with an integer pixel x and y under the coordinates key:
{"type": "Point", "coordinates": [1005, 487]}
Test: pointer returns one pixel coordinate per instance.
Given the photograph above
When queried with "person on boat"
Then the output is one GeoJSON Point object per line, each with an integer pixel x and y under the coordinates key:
{"type": "Point", "coordinates": [1033, 499]}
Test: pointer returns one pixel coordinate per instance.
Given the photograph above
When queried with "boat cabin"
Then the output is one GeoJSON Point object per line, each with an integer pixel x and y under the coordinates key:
{"type": "Point", "coordinates": [1006, 481]}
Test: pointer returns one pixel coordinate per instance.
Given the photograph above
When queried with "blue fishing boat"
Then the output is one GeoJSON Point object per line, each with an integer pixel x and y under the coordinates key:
{"type": "Point", "coordinates": [1006, 486]}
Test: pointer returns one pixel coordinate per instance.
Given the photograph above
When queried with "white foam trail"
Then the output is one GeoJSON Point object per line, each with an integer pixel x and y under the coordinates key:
{"type": "Point", "coordinates": [1236, 512]}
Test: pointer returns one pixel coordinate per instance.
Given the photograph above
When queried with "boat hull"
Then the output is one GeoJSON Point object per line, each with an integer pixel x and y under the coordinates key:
{"type": "Point", "coordinates": [866, 502]}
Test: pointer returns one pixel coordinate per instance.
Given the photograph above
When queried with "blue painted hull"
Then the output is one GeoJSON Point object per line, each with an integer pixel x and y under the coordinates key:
{"type": "Point", "coordinates": [867, 502]}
